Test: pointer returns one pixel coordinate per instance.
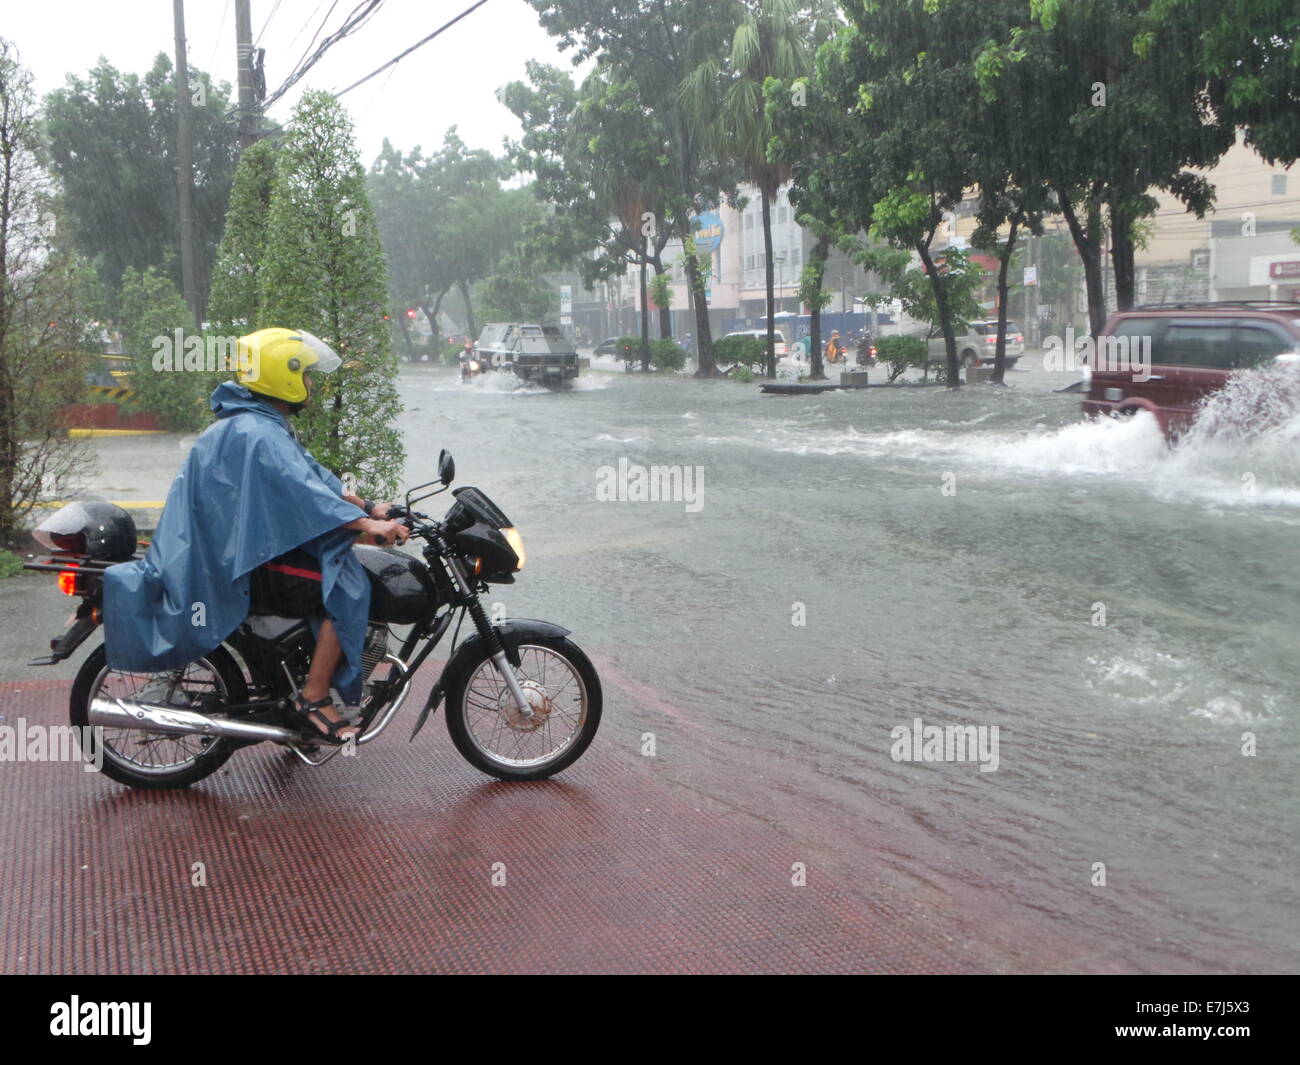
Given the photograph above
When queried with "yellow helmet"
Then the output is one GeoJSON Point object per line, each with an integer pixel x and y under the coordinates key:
{"type": "Point", "coordinates": [272, 362]}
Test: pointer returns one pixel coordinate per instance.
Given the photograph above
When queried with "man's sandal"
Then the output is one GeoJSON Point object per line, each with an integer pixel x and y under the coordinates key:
{"type": "Point", "coordinates": [330, 734]}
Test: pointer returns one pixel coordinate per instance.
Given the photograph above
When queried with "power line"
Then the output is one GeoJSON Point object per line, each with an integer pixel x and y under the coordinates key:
{"type": "Point", "coordinates": [310, 18]}
{"type": "Point", "coordinates": [307, 50]}
{"type": "Point", "coordinates": [398, 58]}
{"type": "Point", "coordinates": [266, 23]}
{"type": "Point", "coordinates": [220, 26]}
{"type": "Point", "coordinates": [351, 24]}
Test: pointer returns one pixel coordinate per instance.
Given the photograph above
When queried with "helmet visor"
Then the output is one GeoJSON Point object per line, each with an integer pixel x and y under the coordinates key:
{"type": "Point", "coordinates": [327, 359]}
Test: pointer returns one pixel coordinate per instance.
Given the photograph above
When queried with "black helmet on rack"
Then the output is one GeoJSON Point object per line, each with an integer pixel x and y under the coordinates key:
{"type": "Point", "coordinates": [89, 527]}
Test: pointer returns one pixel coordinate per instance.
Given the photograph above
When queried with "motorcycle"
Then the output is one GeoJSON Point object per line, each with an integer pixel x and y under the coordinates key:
{"type": "Point", "coordinates": [523, 701]}
{"type": "Point", "coordinates": [867, 352]}
{"type": "Point", "coordinates": [471, 368]}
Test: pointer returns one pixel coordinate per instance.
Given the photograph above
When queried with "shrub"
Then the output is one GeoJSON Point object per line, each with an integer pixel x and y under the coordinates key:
{"type": "Point", "coordinates": [667, 355]}
{"type": "Point", "coordinates": [743, 374]}
{"type": "Point", "coordinates": [152, 316]}
{"type": "Point", "coordinates": [10, 564]}
{"type": "Point", "coordinates": [740, 350]}
{"type": "Point", "coordinates": [451, 353]}
{"type": "Point", "coordinates": [901, 354]}
{"type": "Point", "coordinates": [628, 348]}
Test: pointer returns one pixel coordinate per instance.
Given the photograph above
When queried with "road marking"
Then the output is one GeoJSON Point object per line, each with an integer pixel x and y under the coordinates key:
{"type": "Point", "coordinates": [125, 504]}
{"type": "Point", "coordinates": [115, 432]}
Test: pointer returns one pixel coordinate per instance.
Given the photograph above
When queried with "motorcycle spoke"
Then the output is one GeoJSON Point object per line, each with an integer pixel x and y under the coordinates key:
{"type": "Point", "coordinates": [153, 752]}
{"type": "Point", "coordinates": [493, 720]}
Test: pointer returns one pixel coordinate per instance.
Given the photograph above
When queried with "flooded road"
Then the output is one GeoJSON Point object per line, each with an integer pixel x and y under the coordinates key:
{"type": "Point", "coordinates": [841, 572]}
{"type": "Point", "coordinates": [1126, 616]}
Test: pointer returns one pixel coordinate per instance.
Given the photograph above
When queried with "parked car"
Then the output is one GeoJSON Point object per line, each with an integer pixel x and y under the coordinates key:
{"type": "Point", "coordinates": [1192, 349]}
{"type": "Point", "coordinates": [977, 344]}
{"type": "Point", "coordinates": [608, 346]}
{"type": "Point", "coordinates": [782, 348]}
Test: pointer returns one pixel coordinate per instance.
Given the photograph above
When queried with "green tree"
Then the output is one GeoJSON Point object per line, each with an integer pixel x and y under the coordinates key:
{"type": "Point", "coordinates": [1248, 51]}
{"type": "Point", "coordinates": [445, 220]}
{"type": "Point", "coordinates": [153, 316]}
{"type": "Point", "coordinates": [807, 134]}
{"type": "Point", "coordinates": [1112, 123]}
{"type": "Point", "coordinates": [658, 43]}
{"type": "Point", "coordinates": [404, 202]}
{"type": "Point", "coordinates": [45, 332]}
{"type": "Point", "coordinates": [813, 294]}
{"type": "Point", "coordinates": [112, 140]}
{"type": "Point", "coordinates": [723, 96]}
{"type": "Point", "coordinates": [232, 305]}
{"type": "Point", "coordinates": [324, 271]}
{"type": "Point", "coordinates": [516, 292]}
{"type": "Point", "coordinates": [901, 165]}
{"type": "Point", "coordinates": [600, 157]}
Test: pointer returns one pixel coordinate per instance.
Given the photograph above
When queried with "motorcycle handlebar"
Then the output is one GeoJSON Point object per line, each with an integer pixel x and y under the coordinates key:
{"type": "Point", "coordinates": [410, 518]}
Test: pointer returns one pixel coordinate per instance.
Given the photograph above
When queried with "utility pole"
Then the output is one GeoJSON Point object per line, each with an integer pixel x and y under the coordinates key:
{"type": "Point", "coordinates": [244, 58]}
{"type": "Point", "coordinates": [185, 168]}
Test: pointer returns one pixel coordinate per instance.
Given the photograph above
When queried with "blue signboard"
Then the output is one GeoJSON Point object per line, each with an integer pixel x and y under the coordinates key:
{"type": "Point", "coordinates": [708, 231]}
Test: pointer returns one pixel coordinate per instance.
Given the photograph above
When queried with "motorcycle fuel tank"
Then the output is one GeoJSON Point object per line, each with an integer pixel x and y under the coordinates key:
{"type": "Point", "coordinates": [401, 590]}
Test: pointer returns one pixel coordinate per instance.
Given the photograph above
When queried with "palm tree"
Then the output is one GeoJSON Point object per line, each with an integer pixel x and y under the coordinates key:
{"type": "Point", "coordinates": [768, 39]}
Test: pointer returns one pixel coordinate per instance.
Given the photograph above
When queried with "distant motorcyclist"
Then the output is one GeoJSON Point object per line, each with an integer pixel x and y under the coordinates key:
{"type": "Point", "coordinates": [866, 351]}
{"type": "Point", "coordinates": [834, 347]}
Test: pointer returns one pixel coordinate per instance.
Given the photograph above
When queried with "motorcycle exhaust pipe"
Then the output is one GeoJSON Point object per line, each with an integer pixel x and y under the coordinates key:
{"type": "Point", "coordinates": [169, 720]}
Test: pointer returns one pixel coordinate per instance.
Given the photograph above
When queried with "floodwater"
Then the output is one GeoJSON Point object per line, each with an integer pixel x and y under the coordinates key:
{"type": "Point", "coordinates": [1123, 613]}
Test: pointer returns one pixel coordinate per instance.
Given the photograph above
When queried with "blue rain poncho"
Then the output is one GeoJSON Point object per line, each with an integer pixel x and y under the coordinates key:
{"type": "Point", "coordinates": [248, 491]}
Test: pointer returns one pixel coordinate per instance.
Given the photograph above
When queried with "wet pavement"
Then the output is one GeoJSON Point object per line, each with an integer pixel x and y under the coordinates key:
{"type": "Point", "coordinates": [402, 859]}
{"type": "Point", "coordinates": [826, 592]}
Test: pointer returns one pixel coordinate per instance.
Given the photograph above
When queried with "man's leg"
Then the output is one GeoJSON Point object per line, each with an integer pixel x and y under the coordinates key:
{"type": "Point", "coordinates": [323, 662]}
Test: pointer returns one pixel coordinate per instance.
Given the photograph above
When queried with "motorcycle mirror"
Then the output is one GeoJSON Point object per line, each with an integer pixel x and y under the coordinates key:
{"type": "Point", "coordinates": [446, 467]}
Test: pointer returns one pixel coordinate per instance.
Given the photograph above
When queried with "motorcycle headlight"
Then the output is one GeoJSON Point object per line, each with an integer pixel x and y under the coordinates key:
{"type": "Point", "coordinates": [516, 543]}
{"type": "Point", "coordinates": [473, 365]}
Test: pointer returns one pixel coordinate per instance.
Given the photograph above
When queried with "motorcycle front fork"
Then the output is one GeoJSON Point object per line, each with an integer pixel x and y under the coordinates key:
{"type": "Point", "coordinates": [499, 660]}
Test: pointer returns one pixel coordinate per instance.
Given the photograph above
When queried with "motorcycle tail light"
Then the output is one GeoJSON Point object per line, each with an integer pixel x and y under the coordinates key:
{"type": "Point", "coordinates": [68, 582]}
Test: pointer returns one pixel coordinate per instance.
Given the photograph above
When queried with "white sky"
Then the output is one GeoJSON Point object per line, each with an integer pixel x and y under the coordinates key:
{"type": "Point", "coordinates": [452, 80]}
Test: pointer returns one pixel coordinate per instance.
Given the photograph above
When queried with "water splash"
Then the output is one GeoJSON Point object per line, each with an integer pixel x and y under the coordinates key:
{"type": "Point", "coordinates": [1247, 437]}
{"type": "Point", "coordinates": [1243, 450]}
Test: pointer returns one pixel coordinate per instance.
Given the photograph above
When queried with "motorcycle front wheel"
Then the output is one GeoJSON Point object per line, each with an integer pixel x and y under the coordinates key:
{"type": "Point", "coordinates": [562, 690]}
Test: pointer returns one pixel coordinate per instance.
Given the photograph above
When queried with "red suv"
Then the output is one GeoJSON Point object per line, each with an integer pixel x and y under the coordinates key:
{"type": "Point", "coordinates": [1166, 358]}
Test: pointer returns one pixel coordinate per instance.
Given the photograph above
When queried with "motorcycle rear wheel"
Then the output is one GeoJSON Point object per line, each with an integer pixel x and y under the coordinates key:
{"type": "Point", "coordinates": [151, 761]}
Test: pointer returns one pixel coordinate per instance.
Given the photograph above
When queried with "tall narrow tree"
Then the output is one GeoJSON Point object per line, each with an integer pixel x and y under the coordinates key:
{"type": "Point", "coordinates": [324, 271]}
{"type": "Point", "coordinates": [723, 97]}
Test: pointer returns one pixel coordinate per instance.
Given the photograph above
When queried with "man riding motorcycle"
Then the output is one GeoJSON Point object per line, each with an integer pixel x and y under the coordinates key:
{"type": "Point", "coordinates": [469, 362]}
{"type": "Point", "coordinates": [250, 508]}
